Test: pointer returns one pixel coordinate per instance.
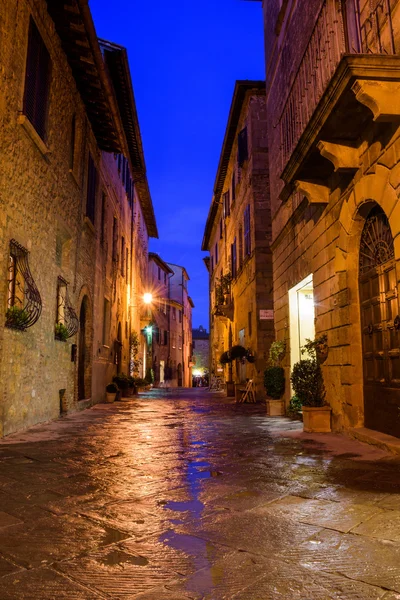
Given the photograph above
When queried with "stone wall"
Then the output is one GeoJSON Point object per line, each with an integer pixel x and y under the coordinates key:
{"type": "Point", "coordinates": [251, 289]}
{"type": "Point", "coordinates": [43, 207]}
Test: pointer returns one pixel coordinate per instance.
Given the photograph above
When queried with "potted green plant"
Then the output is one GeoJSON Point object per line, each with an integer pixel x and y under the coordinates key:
{"type": "Point", "coordinates": [274, 379]}
{"type": "Point", "coordinates": [111, 392]}
{"type": "Point", "coordinates": [140, 384]}
{"type": "Point", "coordinates": [61, 332]}
{"type": "Point", "coordinates": [122, 382]}
{"type": "Point", "coordinates": [16, 318]}
{"type": "Point", "coordinates": [308, 385]}
{"type": "Point", "coordinates": [238, 352]}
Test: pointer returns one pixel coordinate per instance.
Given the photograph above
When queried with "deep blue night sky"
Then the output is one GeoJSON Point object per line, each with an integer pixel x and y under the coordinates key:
{"type": "Point", "coordinates": [185, 57]}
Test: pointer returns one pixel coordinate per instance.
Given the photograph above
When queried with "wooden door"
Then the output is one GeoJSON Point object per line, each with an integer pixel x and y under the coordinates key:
{"type": "Point", "coordinates": [380, 322]}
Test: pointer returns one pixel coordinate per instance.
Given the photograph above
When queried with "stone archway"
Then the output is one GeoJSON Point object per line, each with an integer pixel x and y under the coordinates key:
{"type": "Point", "coordinates": [380, 324]}
{"type": "Point", "coordinates": [84, 351]}
{"type": "Point", "coordinates": [371, 192]}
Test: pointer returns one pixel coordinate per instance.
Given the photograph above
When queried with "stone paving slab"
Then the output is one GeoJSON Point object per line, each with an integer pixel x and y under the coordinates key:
{"type": "Point", "coordinates": [371, 561]}
{"type": "Point", "coordinates": [191, 497]}
{"type": "Point", "coordinates": [40, 584]}
{"type": "Point", "coordinates": [385, 526]}
{"type": "Point", "coordinates": [322, 513]}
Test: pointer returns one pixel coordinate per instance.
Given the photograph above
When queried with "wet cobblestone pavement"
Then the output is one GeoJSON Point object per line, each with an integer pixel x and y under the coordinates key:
{"type": "Point", "coordinates": [184, 495]}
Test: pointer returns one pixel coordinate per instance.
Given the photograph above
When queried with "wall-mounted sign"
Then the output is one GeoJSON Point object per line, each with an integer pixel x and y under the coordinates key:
{"type": "Point", "coordinates": [266, 315]}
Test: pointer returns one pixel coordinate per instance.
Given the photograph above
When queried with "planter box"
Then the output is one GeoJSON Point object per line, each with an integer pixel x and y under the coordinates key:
{"type": "Point", "coordinates": [275, 408]}
{"type": "Point", "coordinates": [230, 389]}
{"type": "Point", "coordinates": [317, 419]}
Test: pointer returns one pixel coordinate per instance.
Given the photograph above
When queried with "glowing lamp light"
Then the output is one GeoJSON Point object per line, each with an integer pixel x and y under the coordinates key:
{"type": "Point", "coordinates": [148, 298]}
{"type": "Point", "coordinates": [148, 329]}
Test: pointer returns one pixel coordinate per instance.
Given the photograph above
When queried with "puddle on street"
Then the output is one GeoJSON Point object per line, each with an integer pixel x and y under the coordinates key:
{"type": "Point", "coordinates": [119, 558]}
{"type": "Point", "coordinates": [112, 536]}
{"type": "Point", "coordinates": [197, 470]}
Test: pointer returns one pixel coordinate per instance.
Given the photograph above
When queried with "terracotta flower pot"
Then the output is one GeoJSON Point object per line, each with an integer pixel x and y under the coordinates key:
{"type": "Point", "coordinates": [317, 419]}
{"type": "Point", "coordinates": [110, 397]}
{"type": "Point", "coordinates": [275, 408]}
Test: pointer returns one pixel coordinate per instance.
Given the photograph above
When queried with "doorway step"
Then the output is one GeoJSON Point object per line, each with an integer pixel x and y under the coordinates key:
{"type": "Point", "coordinates": [376, 438]}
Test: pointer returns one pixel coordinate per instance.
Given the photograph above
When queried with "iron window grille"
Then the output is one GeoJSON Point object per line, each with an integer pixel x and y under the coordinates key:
{"type": "Point", "coordinates": [24, 304]}
{"type": "Point", "coordinates": [66, 315]}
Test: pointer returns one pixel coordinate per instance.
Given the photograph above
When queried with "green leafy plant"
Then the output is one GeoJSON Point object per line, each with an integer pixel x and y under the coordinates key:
{"type": "Point", "coordinates": [238, 352]}
{"type": "Point", "coordinates": [122, 381]}
{"type": "Point", "coordinates": [149, 377]}
{"type": "Point", "coordinates": [61, 332]}
{"type": "Point", "coordinates": [225, 359]}
{"type": "Point", "coordinates": [139, 382]}
{"type": "Point", "coordinates": [134, 347]}
{"type": "Point", "coordinates": [308, 382]}
{"type": "Point", "coordinates": [274, 382]}
{"type": "Point", "coordinates": [294, 408]}
{"type": "Point", "coordinates": [16, 317]}
{"type": "Point", "coordinates": [277, 352]}
{"type": "Point", "coordinates": [250, 356]}
{"type": "Point", "coordinates": [222, 288]}
{"type": "Point", "coordinates": [112, 388]}
{"type": "Point", "coordinates": [316, 349]}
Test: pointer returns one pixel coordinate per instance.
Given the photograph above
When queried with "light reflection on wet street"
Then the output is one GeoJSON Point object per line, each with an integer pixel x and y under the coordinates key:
{"type": "Point", "coordinates": [187, 496]}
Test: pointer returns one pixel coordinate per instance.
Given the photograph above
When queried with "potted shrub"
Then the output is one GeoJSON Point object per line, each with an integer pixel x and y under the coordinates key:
{"type": "Point", "coordinates": [140, 384]}
{"type": "Point", "coordinates": [238, 352]}
{"type": "Point", "coordinates": [111, 392]}
{"type": "Point", "coordinates": [308, 385]}
{"type": "Point", "coordinates": [274, 379]}
{"type": "Point", "coordinates": [294, 409]}
{"type": "Point", "coordinates": [122, 382]}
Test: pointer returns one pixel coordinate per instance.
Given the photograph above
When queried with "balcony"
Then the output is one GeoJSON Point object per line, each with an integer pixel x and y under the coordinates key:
{"type": "Point", "coordinates": [342, 48]}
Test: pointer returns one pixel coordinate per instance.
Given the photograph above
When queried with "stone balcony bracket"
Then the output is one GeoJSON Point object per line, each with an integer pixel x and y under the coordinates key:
{"type": "Point", "coordinates": [343, 157]}
{"type": "Point", "coordinates": [314, 192]}
{"type": "Point", "coordinates": [381, 97]}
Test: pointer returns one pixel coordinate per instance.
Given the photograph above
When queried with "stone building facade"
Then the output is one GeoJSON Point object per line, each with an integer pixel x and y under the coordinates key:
{"type": "Point", "coordinates": [69, 216]}
{"type": "Point", "coordinates": [334, 142]}
{"type": "Point", "coordinates": [201, 350]}
{"type": "Point", "coordinates": [238, 237]}
{"type": "Point", "coordinates": [180, 323]}
{"type": "Point", "coordinates": [159, 275]}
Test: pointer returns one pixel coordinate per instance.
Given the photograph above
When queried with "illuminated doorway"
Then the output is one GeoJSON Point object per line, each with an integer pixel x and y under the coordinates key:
{"type": "Point", "coordinates": [302, 315]}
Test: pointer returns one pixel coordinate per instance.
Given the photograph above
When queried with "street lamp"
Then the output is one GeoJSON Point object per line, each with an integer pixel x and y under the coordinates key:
{"type": "Point", "coordinates": [147, 298]}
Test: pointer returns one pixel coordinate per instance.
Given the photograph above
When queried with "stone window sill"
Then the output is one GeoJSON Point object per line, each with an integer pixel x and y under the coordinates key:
{"type": "Point", "coordinates": [34, 136]}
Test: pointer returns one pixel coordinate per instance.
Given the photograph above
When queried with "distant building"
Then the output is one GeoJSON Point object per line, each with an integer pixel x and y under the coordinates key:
{"type": "Point", "coordinates": [238, 238]}
{"type": "Point", "coordinates": [201, 350]}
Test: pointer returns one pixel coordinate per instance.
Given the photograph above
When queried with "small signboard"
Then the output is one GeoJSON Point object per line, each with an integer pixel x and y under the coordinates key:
{"type": "Point", "coordinates": [266, 315]}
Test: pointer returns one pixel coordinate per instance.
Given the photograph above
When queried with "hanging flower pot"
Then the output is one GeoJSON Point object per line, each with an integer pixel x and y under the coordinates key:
{"type": "Point", "coordinates": [238, 352]}
{"type": "Point", "coordinates": [225, 358]}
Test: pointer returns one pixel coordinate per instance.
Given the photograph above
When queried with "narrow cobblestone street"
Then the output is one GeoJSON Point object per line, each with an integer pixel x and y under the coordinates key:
{"type": "Point", "coordinates": [182, 494]}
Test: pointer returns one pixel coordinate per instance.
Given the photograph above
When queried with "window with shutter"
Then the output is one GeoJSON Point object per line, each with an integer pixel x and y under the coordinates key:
{"type": "Point", "coordinates": [37, 81]}
{"type": "Point", "coordinates": [233, 187]}
{"type": "Point", "coordinates": [247, 236]}
{"type": "Point", "coordinates": [240, 247]}
{"type": "Point", "coordinates": [216, 254]}
{"type": "Point", "coordinates": [242, 147]}
{"type": "Point", "coordinates": [227, 204]}
{"type": "Point", "coordinates": [91, 189]}
{"type": "Point", "coordinates": [233, 258]}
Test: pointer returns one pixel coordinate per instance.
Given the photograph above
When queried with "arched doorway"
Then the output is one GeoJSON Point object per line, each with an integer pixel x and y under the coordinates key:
{"type": "Point", "coordinates": [180, 381]}
{"type": "Point", "coordinates": [84, 352]}
{"type": "Point", "coordinates": [380, 323]}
